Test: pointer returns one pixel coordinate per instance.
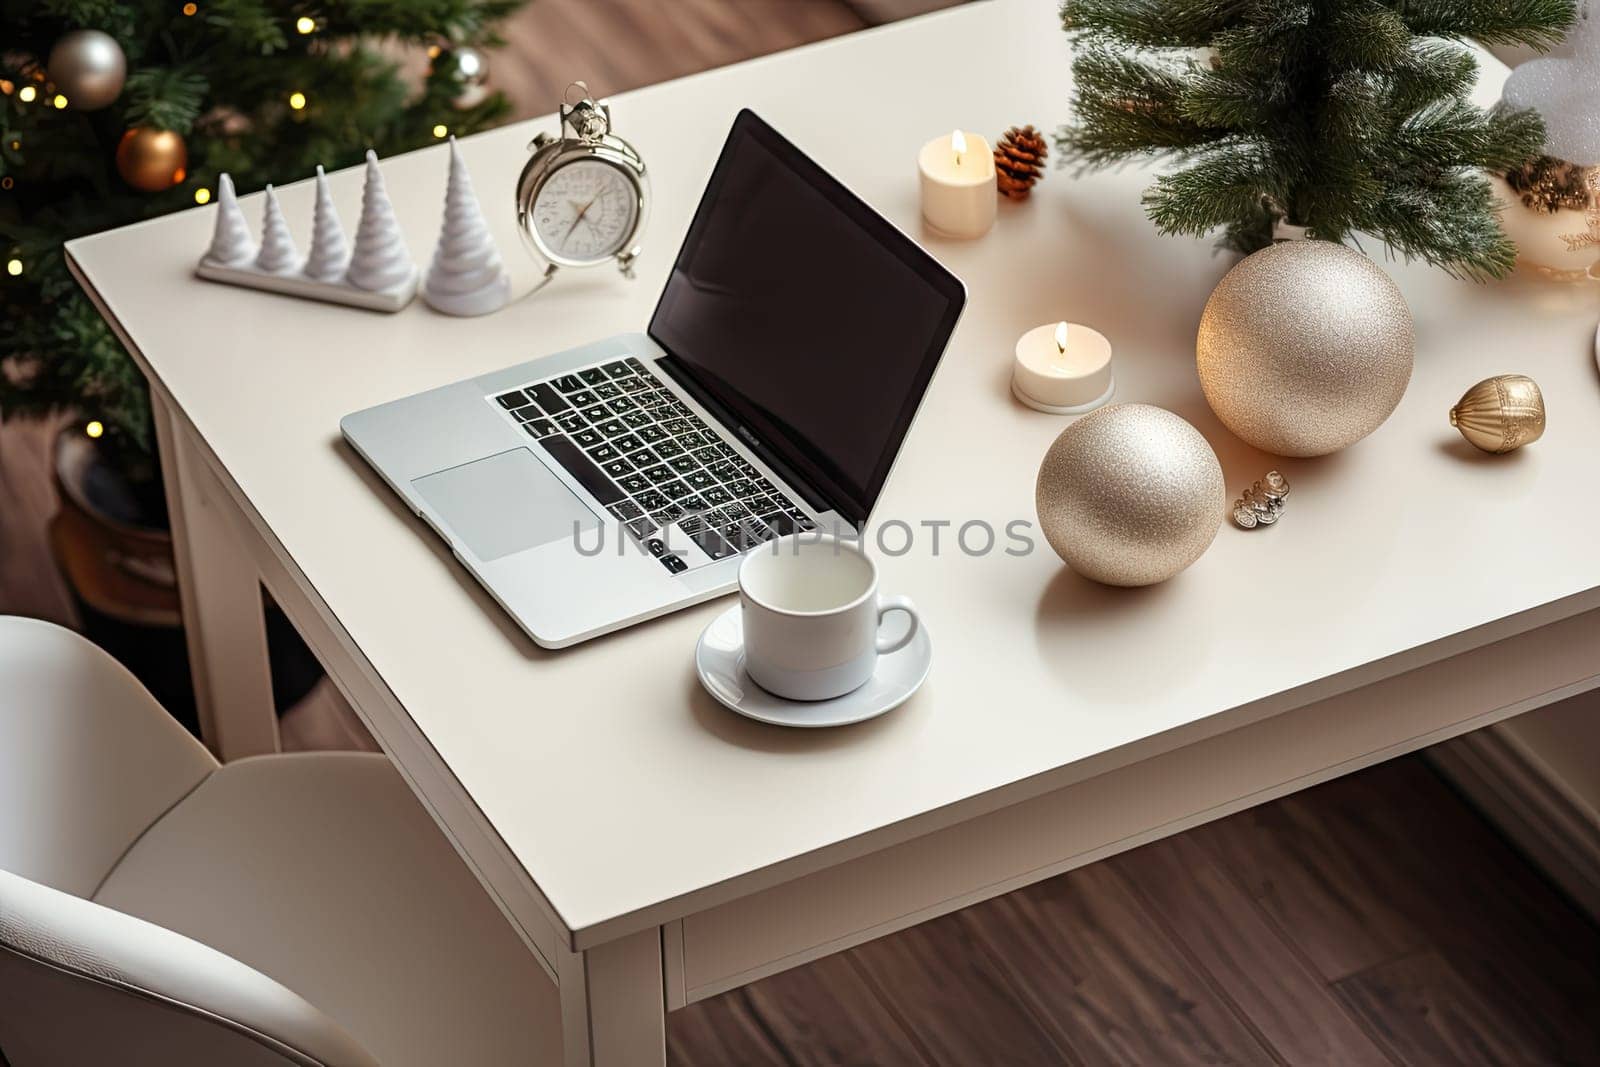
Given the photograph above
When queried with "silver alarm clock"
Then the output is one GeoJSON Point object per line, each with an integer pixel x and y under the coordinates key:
{"type": "Point", "coordinates": [583, 197]}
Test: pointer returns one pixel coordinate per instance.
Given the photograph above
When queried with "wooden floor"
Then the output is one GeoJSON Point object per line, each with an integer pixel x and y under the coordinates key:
{"type": "Point", "coordinates": [1375, 919]}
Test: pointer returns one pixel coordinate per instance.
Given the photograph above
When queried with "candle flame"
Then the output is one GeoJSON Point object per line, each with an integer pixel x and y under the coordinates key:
{"type": "Point", "coordinates": [958, 144]}
{"type": "Point", "coordinates": [1061, 338]}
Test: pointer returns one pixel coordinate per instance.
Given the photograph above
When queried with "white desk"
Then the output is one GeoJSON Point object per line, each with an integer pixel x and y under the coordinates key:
{"type": "Point", "coordinates": [653, 849]}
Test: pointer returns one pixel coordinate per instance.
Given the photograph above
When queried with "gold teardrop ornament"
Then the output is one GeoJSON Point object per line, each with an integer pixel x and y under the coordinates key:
{"type": "Point", "coordinates": [1500, 413]}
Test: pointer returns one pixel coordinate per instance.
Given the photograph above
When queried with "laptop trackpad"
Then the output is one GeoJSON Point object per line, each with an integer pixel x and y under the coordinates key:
{"type": "Point", "coordinates": [505, 504]}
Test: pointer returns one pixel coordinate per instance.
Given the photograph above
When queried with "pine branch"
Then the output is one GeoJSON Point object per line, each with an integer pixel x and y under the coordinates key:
{"type": "Point", "coordinates": [1126, 105]}
{"type": "Point", "coordinates": [1454, 133]}
{"type": "Point", "coordinates": [167, 98]}
{"type": "Point", "coordinates": [1433, 69]}
{"type": "Point", "coordinates": [470, 21]}
{"type": "Point", "coordinates": [247, 25]}
{"type": "Point", "coordinates": [1153, 23]}
{"type": "Point", "coordinates": [1367, 37]}
{"type": "Point", "coordinates": [1230, 182]}
{"type": "Point", "coordinates": [1539, 23]}
{"type": "Point", "coordinates": [1449, 223]}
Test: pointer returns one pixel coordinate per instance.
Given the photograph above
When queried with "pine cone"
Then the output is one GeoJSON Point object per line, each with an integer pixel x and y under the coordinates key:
{"type": "Point", "coordinates": [1019, 161]}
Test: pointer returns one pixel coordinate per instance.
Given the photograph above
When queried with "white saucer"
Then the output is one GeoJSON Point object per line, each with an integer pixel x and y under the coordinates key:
{"type": "Point", "coordinates": [719, 660]}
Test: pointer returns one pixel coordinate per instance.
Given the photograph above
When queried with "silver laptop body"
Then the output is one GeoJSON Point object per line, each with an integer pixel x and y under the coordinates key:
{"type": "Point", "coordinates": [534, 478]}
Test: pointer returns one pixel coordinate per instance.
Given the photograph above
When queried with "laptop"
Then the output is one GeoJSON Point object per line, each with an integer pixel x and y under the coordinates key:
{"type": "Point", "coordinates": [624, 479]}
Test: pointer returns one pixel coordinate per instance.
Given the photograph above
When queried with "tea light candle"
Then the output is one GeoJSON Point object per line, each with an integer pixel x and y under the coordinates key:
{"type": "Point", "coordinates": [958, 187]}
{"type": "Point", "coordinates": [1063, 368]}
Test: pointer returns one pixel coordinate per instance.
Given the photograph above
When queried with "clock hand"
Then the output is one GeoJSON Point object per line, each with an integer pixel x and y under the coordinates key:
{"type": "Point", "coordinates": [579, 218]}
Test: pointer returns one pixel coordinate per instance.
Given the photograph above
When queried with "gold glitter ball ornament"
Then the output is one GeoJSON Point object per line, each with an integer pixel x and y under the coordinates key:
{"type": "Point", "coordinates": [1305, 347]}
{"type": "Point", "coordinates": [1130, 494]}
{"type": "Point", "coordinates": [1501, 413]}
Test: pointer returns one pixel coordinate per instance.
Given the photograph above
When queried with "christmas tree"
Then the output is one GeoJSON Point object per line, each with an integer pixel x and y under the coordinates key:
{"type": "Point", "coordinates": [111, 112]}
{"type": "Point", "coordinates": [1335, 116]}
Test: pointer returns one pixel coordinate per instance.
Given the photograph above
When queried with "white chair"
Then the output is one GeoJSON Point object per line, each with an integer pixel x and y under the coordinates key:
{"type": "Point", "coordinates": [157, 908]}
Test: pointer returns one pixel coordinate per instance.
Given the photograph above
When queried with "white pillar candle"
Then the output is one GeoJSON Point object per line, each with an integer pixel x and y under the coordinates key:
{"type": "Point", "coordinates": [1063, 368]}
{"type": "Point", "coordinates": [958, 189]}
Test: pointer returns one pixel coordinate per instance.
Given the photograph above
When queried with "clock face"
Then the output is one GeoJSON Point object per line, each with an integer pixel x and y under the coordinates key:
{"type": "Point", "coordinates": [586, 211]}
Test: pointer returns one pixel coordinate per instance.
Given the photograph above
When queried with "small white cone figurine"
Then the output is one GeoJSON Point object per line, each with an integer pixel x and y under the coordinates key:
{"type": "Point", "coordinates": [466, 276]}
{"type": "Point", "coordinates": [278, 254]}
{"type": "Point", "coordinates": [330, 255]}
{"type": "Point", "coordinates": [380, 261]}
{"type": "Point", "coordinates": [231, 245]}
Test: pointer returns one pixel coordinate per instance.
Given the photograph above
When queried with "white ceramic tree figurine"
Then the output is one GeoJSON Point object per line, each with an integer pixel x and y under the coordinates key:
{"type": "Point", "coordinates": [330, 255]}
{"type": "Point", "coordinates": [466, 276]}
{"type": "Point", "coordinates": [381, 261]}
{"type": "Point", "coordinates": [231, 244]}
{"type": "Point", "coordinates": [278, 253]}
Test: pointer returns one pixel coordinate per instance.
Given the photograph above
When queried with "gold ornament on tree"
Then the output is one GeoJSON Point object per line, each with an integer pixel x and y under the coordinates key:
{"type": "Point", "coordinates": [1130, 494]}
{"type": "Point", "coordinates": [88, 68]}
{"type": "Point", "coordinates": [1019, 161]}
{"type": "Point", "coordinates": [1501, 413]}
{"type": "Point", "coordinates": [1305, 347]}
{"type": "Point", "coordinates": [152, 160]}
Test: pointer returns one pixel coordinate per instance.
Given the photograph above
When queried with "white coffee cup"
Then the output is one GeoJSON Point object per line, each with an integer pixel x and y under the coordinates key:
{"type": "Point", "coordinates": [811, 613]}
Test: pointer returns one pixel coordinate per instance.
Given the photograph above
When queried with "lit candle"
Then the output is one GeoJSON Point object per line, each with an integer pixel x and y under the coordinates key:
{"type": "Point", "coordinates": [1063, 368]}
{"type": "Point", "coordinates": [958, 190]}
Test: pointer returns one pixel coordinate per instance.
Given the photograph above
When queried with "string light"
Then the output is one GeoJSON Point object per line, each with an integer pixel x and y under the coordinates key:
{"type": "Point", "coordinates": [202, 195]}
{"type": "Point", "coordinates": [14, 267]}
{"type": "Point", "coordinates": [305, 24]}
{"type": "Point", "coordinates": [27, 94]}
{"type": "Point", "coordinates": [6, 87]}
{"type": "Point", "coordinates": [190, 9]}
{"type": "Point", "coordinates": [297, 101]}
{"type": "Point", "coordinates": [96, 428]}
{"type": "Point", "coordinates": [441, 130]}
{"type": "Point", "coordinates": [60, 102]}
{"type": "Point", "coordinates": [6, 182]}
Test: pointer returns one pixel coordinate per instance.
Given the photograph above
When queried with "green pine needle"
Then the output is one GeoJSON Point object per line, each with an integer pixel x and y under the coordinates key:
{"type": "Point", "coordinates": [222, 78]}
{"type": "Point", "coordinates": [1343, 116]}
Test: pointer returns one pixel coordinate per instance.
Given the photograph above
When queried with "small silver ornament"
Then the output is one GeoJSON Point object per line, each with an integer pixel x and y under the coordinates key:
{"type": "Point", "coordinates": [469, 67]}
{"type": "Point", "coordinates": [1262, 503]}
{"type": "Point", "coordinates": [1130, 494]}
{"type": "Point", "coordinates": [89, 69]}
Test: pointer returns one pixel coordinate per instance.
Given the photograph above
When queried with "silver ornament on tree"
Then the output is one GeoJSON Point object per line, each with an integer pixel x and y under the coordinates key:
{"type": "Point", "coordinates": [88, 68]}
{"type": "Point", "coordinates": [468, 66]}
{"type": "Point", "coordinates": [1305, 347]}
{"type": "Point", "coordinates": [1130, 494]}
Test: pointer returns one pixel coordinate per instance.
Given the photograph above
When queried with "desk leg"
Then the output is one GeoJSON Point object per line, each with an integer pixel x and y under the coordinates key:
{"type": "Point", "coordinates": [219, 592]}
{"type": "Point", "coordinates": [614, 1004]}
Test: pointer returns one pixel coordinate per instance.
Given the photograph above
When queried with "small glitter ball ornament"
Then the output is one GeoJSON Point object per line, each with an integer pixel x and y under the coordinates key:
{"type": "Point", "coordinates": [1305, 347]}
{"type": "Point", "coordinates": [1501, 413]}
{"type": "Point", "coordinates": [1130, 495]}
{"type": "Point", "coordinates": [88, 68]}
{"type": "Point", "coordinates": [152, 160]}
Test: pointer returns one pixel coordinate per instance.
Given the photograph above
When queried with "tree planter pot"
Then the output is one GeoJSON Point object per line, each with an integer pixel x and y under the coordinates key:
{"type": "Point", "coordinates": [114, 549]}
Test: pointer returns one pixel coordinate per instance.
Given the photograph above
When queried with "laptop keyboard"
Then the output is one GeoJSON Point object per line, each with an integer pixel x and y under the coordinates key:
{"type": "Point", "coordinates": [653, 463]}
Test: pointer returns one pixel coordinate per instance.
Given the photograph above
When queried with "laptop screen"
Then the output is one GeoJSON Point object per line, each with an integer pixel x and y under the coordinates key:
{"type": "Point", "coordinates": [812, 322]}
